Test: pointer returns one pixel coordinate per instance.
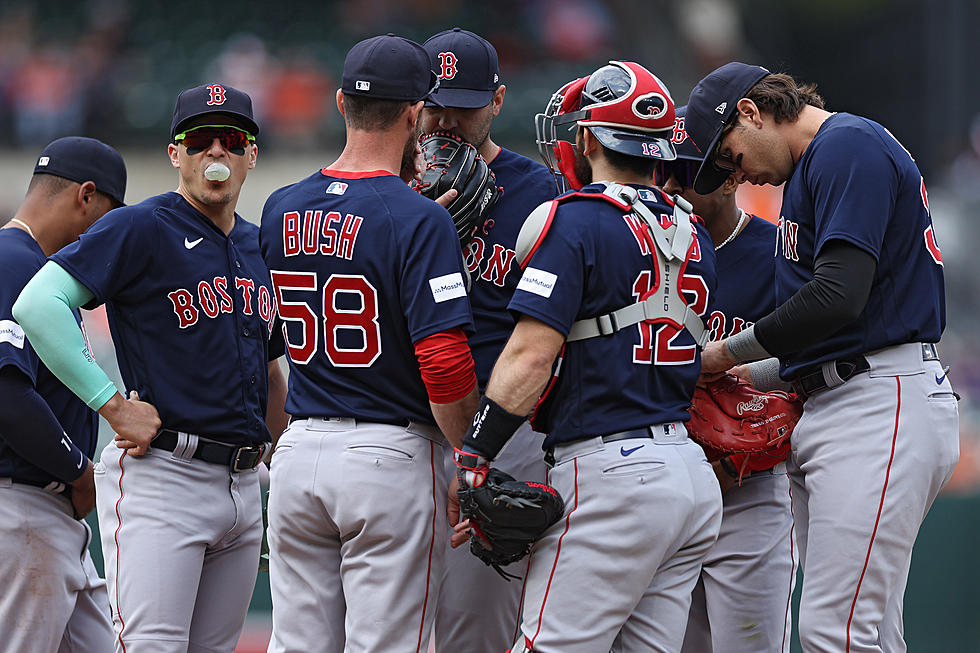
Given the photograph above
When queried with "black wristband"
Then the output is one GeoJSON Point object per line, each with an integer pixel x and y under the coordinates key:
{"type": "Point", "coordinates": [491, 428]}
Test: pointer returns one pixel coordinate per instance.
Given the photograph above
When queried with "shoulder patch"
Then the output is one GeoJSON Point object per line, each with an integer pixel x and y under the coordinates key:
{"type": "Point", "coordinates": [446, 287]}
{"type": "Point", "coordinates": [12, 332]}
{"type": "Point", "coordinates": [539, 282]}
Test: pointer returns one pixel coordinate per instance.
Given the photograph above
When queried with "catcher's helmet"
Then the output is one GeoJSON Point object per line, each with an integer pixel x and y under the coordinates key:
{"type": "Point", "coordinates": [625, 107]}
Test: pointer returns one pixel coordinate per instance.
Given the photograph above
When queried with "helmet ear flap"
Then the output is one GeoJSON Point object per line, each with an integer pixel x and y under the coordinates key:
{"type": "Point", "coordinates": [572, 95]}
{"type": "Point", "coordinates": [565, 160]}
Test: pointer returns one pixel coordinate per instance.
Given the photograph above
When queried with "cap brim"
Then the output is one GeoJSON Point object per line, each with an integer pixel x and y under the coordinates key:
{"type": "Point", "coordinates": [710, 176]}
{"type": "Point", "coordinates": [647, 146]}
{"type": "Point", "coordinates": [242, 120]}
{"type": "Point", "coordinates": [459, 98]}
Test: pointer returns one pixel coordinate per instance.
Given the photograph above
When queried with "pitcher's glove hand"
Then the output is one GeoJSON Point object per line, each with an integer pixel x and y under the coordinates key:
{"type": "Point", "coordinates": [451, 162]}
{"type": "Point", "coordinates": [730, 418]}
{"type": "Point", "coordinates": [506, 516]}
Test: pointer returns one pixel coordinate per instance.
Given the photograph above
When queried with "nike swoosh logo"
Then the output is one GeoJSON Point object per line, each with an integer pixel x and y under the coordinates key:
{"type": "Point", "coordinates": [626, 452]}
{"type": "Point", "coordinates": [191, 244]}
{"type": "Point", "coordinates": [81, 461]}
{"type": "Point", "coordinates": [940, 379]}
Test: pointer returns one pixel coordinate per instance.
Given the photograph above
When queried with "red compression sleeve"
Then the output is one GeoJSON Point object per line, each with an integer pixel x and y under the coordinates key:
{"type": "Point", "coordinates": [446, 365]}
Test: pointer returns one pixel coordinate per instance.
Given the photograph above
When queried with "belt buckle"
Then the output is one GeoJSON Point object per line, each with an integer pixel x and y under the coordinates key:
{"type": "Point", "coordinates": [246, 458]}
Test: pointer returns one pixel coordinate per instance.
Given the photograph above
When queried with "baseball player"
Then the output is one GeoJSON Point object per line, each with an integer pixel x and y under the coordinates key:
{"type": "Point", "coordinates": [742, 600]}
{"type": "Point", "coordinates": [614, 282]}
{"type": "Point", "coordinates": [471, 96]}
{"type": "Point", "coordinates": [53, 598]}
{"type": "Point", "coordinates": [859, 279]}
{"type": "Point", "coordinates": [369, 281]}
{"type": "Point", "coordinates": [191, 310]}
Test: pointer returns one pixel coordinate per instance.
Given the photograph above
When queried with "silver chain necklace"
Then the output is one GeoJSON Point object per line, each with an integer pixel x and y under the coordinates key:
{"type": "Point", "coordinates": [731, 236]}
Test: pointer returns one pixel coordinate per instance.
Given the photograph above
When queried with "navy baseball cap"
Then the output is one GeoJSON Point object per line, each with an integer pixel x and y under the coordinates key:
{"type": "Point", "coordinates": [389, 67]}
{"type": "Point", "coordinates": [467, 68]}
{"type": "Point", "coordinates": [83, 159]}
{"type": "Point", "coordinates": [683, 144]}
{"type": "Point", "coordinates": [711, 105]}
{"type": "Point", "coordinates": [213, 98]}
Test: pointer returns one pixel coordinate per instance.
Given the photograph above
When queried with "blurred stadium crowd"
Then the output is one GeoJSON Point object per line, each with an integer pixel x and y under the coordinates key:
{"type": "Point", "coordinates": [111, 68]}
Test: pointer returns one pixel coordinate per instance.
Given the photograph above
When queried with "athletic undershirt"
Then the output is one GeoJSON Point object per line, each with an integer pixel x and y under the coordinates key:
{"type": "Point", "coordinates": [30, 428]}
{"type": "Point", "coordinates": [842, 278]}
{"type": "Point", "coordinates": [446, 365]}
{"type": "Point", "coordinates": [44, 309]}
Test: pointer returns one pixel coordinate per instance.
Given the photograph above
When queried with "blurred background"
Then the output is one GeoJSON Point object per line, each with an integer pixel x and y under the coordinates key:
{"type": "Point", "coordinates": [112, 69]}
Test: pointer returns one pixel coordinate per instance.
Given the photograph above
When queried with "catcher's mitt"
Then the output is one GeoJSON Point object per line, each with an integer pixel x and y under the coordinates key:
{"type": "Point", "coordinates": [451, 162]}
{"type": "Point", "coordinates": [731, 418]}
{"type": "Point", "coordinates": [507, 516]}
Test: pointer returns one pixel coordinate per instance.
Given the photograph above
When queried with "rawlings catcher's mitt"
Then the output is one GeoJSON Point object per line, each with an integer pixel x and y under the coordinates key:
{"type": "Point", "coordinates": [451, 162]}
{"type": "Point", "coordinates": [731, 418]}
{"type": "Point", "coordinates": [507, 516]}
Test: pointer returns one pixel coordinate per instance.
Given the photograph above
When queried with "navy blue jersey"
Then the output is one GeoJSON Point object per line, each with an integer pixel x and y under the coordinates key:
{"type": "Point", "coordinates": [592, 262]}
{"type": "Point", "coordinates": [490, 256]}
{"type": "Point", "coordinates": [856, 183]}
{"type": "Point", "coordinates": [746, 272]}
{"type": "Point", "coordinates": [20, 258]}
{"type": "Point", "coordinates": [190, 309]}
{"type": "Point", "coordinates": [364, 267]}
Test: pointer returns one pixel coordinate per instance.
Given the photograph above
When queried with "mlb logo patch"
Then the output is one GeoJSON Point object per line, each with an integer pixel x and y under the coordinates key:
{"type": "Point", "coordinates": [646, 195]}
{"type": "Point", "coordinates": [336, 188]}
{"type": "Point", "coordinates": [43, 161]}
{"type": "Point", "coordinates": [362, 85]}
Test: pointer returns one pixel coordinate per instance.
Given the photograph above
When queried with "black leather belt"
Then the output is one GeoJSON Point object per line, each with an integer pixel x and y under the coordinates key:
{"type": "Point", "coordinates": [814, 382]}
{"type": "Point", "coordinates": [238, 458]}
{"type": "Point", "coordinates": [549, 456]}
{"type": "Point", "coordinates": [628, 435]}
{"type": "Point", "coordinates": [809, 384]}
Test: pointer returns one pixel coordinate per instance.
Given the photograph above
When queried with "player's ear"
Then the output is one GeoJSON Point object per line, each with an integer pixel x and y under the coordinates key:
{"type": "Point", "coordinates": [172, 152]}
{"type": "Point", "coordinates": [730, 185]}
{"type": "Point", "coordinates": [589, 141]}
{"type": "Point", "coordinates": [85, 195]}
{"type": "Point", "coordinates": [412, 114]}
{"type": "Point", "coordinates": [253, 153]}
{"type": "Point", "coordinates": [750, 111]}
{"type": "Point", "coordinates": [498, 99]}
{"type": "Point", "coordinates": [340, 102]}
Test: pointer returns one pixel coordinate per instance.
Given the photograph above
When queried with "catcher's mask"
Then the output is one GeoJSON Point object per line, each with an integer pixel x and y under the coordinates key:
{"type": "Point", "coordinates": [625, 107]}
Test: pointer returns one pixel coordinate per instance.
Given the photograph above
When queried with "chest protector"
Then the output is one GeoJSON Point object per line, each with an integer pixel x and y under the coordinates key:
{"type": "Point", "coordinates": [671, 250]}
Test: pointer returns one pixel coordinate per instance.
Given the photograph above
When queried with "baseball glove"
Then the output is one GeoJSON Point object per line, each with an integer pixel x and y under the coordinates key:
{"type": "Point", "coordinates": [507, 516]}
{"type": "Point", "coordinates": [451, 162]}
{"type": "Point", "coordinates": [731, 418]}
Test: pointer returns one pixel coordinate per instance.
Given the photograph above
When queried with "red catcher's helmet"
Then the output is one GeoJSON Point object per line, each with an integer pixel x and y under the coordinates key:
{"type": "Point", "coordinates": [625, 107]}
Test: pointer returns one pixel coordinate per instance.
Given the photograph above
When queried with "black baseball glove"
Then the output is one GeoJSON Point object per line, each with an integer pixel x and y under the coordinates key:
{"type": "Point", "coordinates": [507, 516]}
{"type": "Point", "coordinates": [451, 162]}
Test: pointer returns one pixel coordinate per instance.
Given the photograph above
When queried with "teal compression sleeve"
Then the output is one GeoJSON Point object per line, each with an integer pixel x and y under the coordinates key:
{"type": "Point", "coordinates": [44, 311]}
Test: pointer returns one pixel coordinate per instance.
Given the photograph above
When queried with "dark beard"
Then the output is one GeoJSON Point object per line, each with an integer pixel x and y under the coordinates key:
{"type": "Point", "coordinates": [581, 167]}
{"type": "Point", "coordinates": [407, 172]}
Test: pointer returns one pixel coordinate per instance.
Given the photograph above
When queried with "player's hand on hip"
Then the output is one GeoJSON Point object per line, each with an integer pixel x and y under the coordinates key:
{"type": "Point", "coordinates": [715, 358]}
{"type": "Point", "coordinates": [135, 422]}
{"type": "Point", "coordinates": [83, 492]}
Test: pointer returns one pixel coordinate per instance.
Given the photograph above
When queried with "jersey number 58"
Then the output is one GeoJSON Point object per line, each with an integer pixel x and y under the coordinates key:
{"type": "Point", "coordinates": [336, 320]}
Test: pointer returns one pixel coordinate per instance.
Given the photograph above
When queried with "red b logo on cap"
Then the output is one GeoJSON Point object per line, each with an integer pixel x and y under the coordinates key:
{"type": "Point", "coordinates": [447, 62]}
{"type": "Point", "coordinates": [217, 94]}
